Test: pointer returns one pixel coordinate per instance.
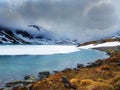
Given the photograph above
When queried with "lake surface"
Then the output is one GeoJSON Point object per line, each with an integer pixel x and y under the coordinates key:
{"type": "Point", "coordinates": [15, 67]}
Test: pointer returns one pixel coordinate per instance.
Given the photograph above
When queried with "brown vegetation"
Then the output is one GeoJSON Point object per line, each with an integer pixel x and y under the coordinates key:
{"type": "Point", "coordinates": [104, 77]}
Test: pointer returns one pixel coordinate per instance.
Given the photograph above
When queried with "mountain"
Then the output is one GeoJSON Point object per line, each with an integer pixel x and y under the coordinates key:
{"type": "Point", "coordinates": [32, 35]}
{"type": "Point", "coordinates": [117, 35]}
{"type": "Point", "coordinates": [113, 38]}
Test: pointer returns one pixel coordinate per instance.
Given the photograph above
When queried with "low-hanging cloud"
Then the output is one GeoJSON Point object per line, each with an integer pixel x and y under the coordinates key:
{"type": "Point", "coordinates": [81, 19]}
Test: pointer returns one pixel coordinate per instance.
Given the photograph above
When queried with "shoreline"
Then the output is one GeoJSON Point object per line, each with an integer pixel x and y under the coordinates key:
{"type": "Point", "coordinates": [79, 66]}
{"type": "Point", "coordinates": [104, 67]}
{"type": "Point", "coordinates": [53, 72]}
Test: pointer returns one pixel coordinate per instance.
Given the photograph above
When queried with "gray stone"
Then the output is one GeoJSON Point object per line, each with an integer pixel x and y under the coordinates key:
{"type": "Point", "coordinates": [118, 63]}
{"type": "Point", "coordinates": [80, 65]}
{"type": "Point", "coordinates": [44, 74]}
{"type": "Point", "coordinates": [30, 77]}
{"type": "Point", "coordinates": [17, 83]}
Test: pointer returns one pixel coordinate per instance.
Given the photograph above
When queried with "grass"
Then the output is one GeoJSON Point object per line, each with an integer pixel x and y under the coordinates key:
{"type": "Point", "coordinates": [104, 77]}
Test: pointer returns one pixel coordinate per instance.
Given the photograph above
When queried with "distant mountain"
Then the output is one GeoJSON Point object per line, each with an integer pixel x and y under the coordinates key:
{"type": "Point", "coordinates": [113, 38]}
{"type": "Point", "coordinates": [37, 35]}
{"type": "Point", "coordinates": [117, 35]}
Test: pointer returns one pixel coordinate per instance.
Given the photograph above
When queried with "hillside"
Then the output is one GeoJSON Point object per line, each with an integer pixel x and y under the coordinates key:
{"type": "Point", "coordinates": [99, 75]}
{"type": "Point", "coordinates": [32, 35]}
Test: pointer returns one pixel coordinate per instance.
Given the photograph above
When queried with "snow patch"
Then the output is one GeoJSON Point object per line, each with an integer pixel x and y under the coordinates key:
{"type": "Point", "coordinates": [36, 49]}
{"type": "Point", "coordinates": [107, 44]}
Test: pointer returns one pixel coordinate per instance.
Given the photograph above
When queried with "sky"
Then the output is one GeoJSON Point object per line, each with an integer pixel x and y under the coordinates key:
{"type": "Point", "coordinates": [81, 19]}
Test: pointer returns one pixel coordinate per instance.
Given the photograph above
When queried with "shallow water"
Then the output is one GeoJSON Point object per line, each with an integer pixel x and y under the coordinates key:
{"type": "Point", "coordinates": [16, 67]}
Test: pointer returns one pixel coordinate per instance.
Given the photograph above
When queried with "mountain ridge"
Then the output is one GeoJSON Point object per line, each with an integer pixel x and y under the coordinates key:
{"type": "Point", "coordinates": [21, 36]}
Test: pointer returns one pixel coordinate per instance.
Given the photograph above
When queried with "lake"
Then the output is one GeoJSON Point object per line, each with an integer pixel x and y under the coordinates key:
{"type": "Point", "coordinates": [16, 61]}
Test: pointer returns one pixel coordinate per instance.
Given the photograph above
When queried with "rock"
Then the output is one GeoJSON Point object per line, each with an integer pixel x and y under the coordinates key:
{"type": "Point", "coordinates": [55, 71]}
{"type": "Point", "coordinates": [24, 34]}
{"type": "Point", "coordinates": [18, 83]}
{"type": "Point", "coordinates": [44, 74]}
{"type": "Point", "coordinates": [65, 80]}
{"type": "Point", "coordinates": [1, 88]}
{"type": "Point", "coordinates": [21, 88]}
{"type": "Point", "coordinates": [30, 77]}
{"type": "Point", "coordinates": [29, 86]}
{"type": "Point", "coordinates": [16, 88]}
{"type": "Point", "coordinates": [27, 77]}
{"type": "Point", "coordinates": [80, 65]}
{"type": "Point", "coordinates": [67, 69]}
{"type": "Point", "coordinates": [24, 88]}
{"type": "Point", "coordinates": [98, 62]}
{"type": "Point", "coordinates": [6, 88]}
{"type": "Point", "coordinates": [118, 63]}
{"type": "Point", "coordinates": [75, 69]}
{"type": "Point", "coordinates": [67, 83]}
{"type": "Point", "coordinates": [90, 65]}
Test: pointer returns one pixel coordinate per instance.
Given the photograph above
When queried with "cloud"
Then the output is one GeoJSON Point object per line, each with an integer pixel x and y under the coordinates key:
{"type": "Point", "coordinates": [100, 16]}
{"type": "Point", "coordinates": [75, 18]}
{"type": "Point", "coordinates": [93, 5]}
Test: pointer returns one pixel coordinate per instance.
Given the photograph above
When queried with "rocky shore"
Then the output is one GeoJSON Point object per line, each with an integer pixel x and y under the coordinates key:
{"type": "Point", "coordinates": [99, 75]}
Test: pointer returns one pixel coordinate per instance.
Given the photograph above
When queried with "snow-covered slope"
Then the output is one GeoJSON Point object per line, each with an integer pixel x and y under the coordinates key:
{"type": "Point", "coordinates": [106, 44]}
{"type": "Point", "coordinates": [31, 35]}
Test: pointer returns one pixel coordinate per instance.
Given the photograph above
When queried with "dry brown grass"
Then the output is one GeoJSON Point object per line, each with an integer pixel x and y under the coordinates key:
{"type": "Point", "coordinates": [104, 77]}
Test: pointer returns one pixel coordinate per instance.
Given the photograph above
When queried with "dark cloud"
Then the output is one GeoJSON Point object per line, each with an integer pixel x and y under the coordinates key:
{"type": "Point", "coordinates": [101, 17]}
{"type": "Point", "coordinates": [76, 18]}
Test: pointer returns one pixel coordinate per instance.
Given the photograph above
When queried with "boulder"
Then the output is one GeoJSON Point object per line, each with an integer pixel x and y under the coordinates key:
{"type": "Point", "coordinates": [18, 83]}
{"type": "Point", "coordinates": [20, 88]}
{"type": "Point", "coordinates": [55, 71]}
{"type": "Point", "coordinates": [80, 65]}
{"type": "Point", "coordinates": [44, 74]}
{"type": "Point", "coordinates": [90, 65]}
{"type": "Point", "coordinates": [1, 88]}
{"type": "Point", "coordinates": [67, 83]}
{"type": "Point", "coordinates": [93, 64]}
{"type": "Point", "coordinates": [118, 63]}
{"type": "Point", "coordinates": [30, 77]}
{"type": "Point", "coordinates": [6, 88]}
{"type": "Point", "coordinates": [67, 69]}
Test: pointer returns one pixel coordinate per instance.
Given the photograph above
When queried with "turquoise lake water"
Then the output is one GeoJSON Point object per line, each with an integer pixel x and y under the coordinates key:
{"type": "Point", "coordinates": [16, 67]}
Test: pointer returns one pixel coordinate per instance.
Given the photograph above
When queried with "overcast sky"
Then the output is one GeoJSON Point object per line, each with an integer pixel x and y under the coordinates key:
{"type": "Point", "coordinates": [82, 19]}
